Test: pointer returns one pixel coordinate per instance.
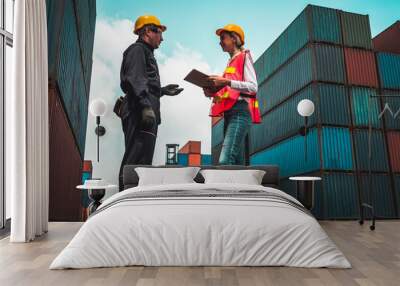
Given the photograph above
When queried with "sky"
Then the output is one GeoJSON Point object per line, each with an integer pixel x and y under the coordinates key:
{"type": "Point", "coordinates": [189, 42]}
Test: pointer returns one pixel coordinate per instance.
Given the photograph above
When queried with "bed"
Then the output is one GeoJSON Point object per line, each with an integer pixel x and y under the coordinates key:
{"type": "Point", "coordinates": [201, 224]}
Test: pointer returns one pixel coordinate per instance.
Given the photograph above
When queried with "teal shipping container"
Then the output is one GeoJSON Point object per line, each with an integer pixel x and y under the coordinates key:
{"type": "Point", "coordinates": [366, 107]}
{"type": "Point", "coordinates": [379, 158]}
{"type": "Point", "coordinates": [390, 111]}
{"type": "Point", "coordinates": [206, 159]}
{"type": "Point", "coordinates": [356, 30]}
{"type": "Point", "coordinates": [314, 24]}
{"type": "Point", "coordinates": [389, 70]}
{"type": "Point", "coordinates": [336, 154]}
{"type": "Point", "coordinates": [285, 121]}
{"type": "Point", "coordinates": [183, 159]}
{"type": "Point", "coordinates": [381, 196]}
{"type": "Point", "coordinates": [217, 133]}
{"type": "Point", "coordinates": [317, 62]}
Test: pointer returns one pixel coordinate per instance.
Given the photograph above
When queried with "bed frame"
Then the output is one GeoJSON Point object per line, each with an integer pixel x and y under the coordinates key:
{"type": "Point", "coordinates": [270, 179]}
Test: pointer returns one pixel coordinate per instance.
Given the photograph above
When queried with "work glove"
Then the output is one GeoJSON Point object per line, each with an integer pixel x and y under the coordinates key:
{"type": "Point", "coordinates": [171, 90]}
{"type": "Point", "coordinates": [148, 118]}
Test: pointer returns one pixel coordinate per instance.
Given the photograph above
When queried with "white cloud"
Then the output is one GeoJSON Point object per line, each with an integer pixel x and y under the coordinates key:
{"type": "Point", "coordinates": [184, 117]}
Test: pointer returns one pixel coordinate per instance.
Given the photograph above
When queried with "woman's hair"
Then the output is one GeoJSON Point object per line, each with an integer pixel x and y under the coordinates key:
{"type": "Point", "coordinates": [239, 43]}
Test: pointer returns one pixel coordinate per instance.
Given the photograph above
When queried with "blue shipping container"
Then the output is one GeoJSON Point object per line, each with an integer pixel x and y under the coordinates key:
{"type": "Point", "coordinates": [389, 70]}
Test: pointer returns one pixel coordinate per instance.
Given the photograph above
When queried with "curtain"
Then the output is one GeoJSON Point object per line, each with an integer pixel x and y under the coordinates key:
{"type": "Point", "coordinates": [27, 133]}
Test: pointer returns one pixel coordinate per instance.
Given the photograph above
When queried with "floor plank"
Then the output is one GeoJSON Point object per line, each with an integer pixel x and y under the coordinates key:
{"type": "Point", "coordinates": [375, 257]}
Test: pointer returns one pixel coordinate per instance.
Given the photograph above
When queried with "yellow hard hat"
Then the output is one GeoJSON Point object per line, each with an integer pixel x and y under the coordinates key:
{"type": "Point", "coordinates": [147, 20]}
{"type": "Point", "coordinates": [232, 28]}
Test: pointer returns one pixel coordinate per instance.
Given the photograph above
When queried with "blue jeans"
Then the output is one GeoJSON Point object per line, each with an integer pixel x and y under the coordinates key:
{"type": "Point", "coordinates": [237, 125]}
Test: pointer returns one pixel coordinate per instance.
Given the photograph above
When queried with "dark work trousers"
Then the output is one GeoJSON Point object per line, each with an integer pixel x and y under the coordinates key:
{"type": "Point", "coordinates": [139, 144]}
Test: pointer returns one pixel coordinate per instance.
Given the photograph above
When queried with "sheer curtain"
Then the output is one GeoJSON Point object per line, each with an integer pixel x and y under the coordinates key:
{"type": "Point", "coordinates": [27, 138]}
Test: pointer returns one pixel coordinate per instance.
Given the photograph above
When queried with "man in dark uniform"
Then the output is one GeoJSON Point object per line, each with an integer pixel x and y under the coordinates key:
{"type": "Point", "coordinates": [140, 81]}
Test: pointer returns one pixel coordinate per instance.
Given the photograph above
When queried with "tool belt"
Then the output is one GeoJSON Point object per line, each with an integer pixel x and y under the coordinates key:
{"type": "Point", "coordinates": [118, 106]}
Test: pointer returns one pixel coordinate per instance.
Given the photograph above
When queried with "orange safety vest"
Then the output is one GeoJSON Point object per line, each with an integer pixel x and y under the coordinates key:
{"type": "Point", "coordinates": [226, 97]}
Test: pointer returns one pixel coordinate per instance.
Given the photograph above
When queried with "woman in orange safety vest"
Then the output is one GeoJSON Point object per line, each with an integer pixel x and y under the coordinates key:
{"type": "Point", "coordinates": [234, 95]}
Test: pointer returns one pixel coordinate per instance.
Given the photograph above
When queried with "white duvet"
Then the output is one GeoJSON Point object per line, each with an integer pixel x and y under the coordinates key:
{"type": "Point", "coordinates": [200, 231]}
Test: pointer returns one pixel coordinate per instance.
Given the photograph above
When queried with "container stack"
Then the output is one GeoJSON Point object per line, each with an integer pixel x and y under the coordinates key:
{"type": "Point", "coordinates": [190, 155]}
{"type": "Point", "coordinates": [387, 47]}
{"type": "Point", "coordinates": [71, 27]}
{"type": "Point", "coordinates": [325, 55]}
{"type": "Point", "coordinates": [87, 172]}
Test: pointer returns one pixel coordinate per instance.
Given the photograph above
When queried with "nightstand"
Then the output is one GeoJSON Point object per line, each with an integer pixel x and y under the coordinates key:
{"type": "Point", "coordinates": [305, 190]}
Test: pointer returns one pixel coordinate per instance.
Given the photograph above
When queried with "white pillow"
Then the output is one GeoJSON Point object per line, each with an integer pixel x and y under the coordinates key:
{"type": "Point", "coordinates": [165, 176]}
{"type": "Point", "coordinates": [249, 177]}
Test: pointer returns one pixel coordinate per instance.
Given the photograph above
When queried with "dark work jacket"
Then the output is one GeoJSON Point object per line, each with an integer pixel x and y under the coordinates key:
{"type": "Point", "coordinates": [140, 80]}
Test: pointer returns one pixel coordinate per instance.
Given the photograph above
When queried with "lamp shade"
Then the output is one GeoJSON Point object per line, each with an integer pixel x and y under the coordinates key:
{"type": "Point", "coordinates": [98, 107]}
{"type": "Point", "coordinates": [305, 107]}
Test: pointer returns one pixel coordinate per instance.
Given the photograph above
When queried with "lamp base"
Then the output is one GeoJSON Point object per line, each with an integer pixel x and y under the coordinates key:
{"type": "Point", "coordinates": [100, 130]}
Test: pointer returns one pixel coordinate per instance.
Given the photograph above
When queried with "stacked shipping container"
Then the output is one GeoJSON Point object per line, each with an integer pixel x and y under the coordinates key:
{"type": "Point", "coordinates": [190, 155]}
{"type": "Point", "coordinates": [387, 46]}
{"type": "Point", "coordinates": [324, 55]}
{"type": "Point", "coordinates": [70, 26]}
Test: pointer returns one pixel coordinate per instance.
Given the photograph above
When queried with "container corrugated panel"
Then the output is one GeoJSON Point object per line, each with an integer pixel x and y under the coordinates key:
{"type": "Point", "coordinates": [217, 133]}
{"type": "Point", "coordinates": [332, 95]}
{"type": "Point", "coordinates": [65, 165]}
{"type": "Point", "coordinates": [356, 30]}
{"type": "Point", "coordinates": [389, 70]}
{"type": "Point", "coordinates": [259, 68]}
{"type": "Point", "coordinates": [388, 40]}
{"type": "Point", "coordinates": [290, 155]}
{"type": "Point", "coordinates": [337, 151]}
{"type": "Point", "coordinates": [325, 24]}
{"type": "Point", "coordinates": [329, 63]}
{"type": "Point", "coordinates": [215, 152]}
{"type": "Point", "coordinates": [379, 160]}
{"type": "Point", "coordinates": [291, 78]}
{"type": "Point", "coordinates": [339, 196]}
{"type": "Point", "coordinates": [70, 77]}
{"type": "Point", "coordinates": [183, 159]}
{"type": "Point", "coordinates": [206, 159]}
{"type": "Point", "coordinates": [86, 29]}
{"type": "Point", "coordinates": [194, 159]}
{"type": "Point", "coordinates": [393, 139]}
{"type": "Point", "coordinates": [365, 107]}
{"type": "Point", "coordinates": [390, 111]}
{"type": "Point", "coordinates": [55, 16]}
{"type": "Point", "coordinates": [280, 122]}
{"type": "Point", "coordinates": [361, 67]}
{"type": "Point", "coordinates": [381, 195]}
{"type": "Point", "coordinates": [286, 45]}
{"type": "Point", "coordinates": [191, 147]}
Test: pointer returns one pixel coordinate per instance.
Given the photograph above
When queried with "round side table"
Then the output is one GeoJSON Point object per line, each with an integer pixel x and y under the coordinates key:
{"type": "Point", "coordinates": [305, 190]}
{"type": "Point", "coordinates": [96, 194]}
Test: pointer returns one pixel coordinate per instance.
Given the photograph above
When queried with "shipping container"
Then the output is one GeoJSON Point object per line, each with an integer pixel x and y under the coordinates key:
{"type": "Point", "coordinates": [215, 120]}
{"type": "Point", "coordinates": [289, 155]}
{"type": "Point", "coordinates": [328, 64]}
{"type": "Point", "coordinates": [376, 190]}
{"type": "Point", "coordinates": [70, 78]}
{"type": "Point", "coordinates": [393, 142]}
{"type": "Point", "coordinates": [183, 159]}
{"type": "Point", "coordinates": [55, 17]}
{"type": "Point", "coordinates": [396, 179]}
{"type": "Point", "coordinates": [356, 30]}
{"type": "Point", "coordinates": [87, 166]}
{"type": "Point", "coordinates": [194, 159]}
{"type": "Point", "coordinates": [65, 165]}
{"type": "Point", "coordinates": [285, 121]}
{"type": "Point", "coordinates": [365, 107]}
{"type": "Point", "coordinates": [215, 152]}
{"type": "Point", "coordinates": [217, 133]}
{"type": "Point", "coordinates": [191, 147]}
{"type": "Point", "coordinates": [313, 24]}
{"type": "Point", "coordinates": [379, 160]}
{"type": "Point", "coordinates": [337, 196]}
{"type": "Point", "coordinates": [390, 111]}
{"type": "Point", "coordinates": [389, 70]}
{"type": "Point", "coordinates": [388, 40]}
{"type": "Point", "coordinates": [337, 151]}
{"type": "Point", "coordinates": [360, 67]}
{"type": "Point", "coordinates": [206, 159]}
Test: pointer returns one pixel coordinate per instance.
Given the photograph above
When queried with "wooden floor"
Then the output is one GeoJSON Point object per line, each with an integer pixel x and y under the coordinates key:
{"type": "Point", "coordinates": [375, 257]}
